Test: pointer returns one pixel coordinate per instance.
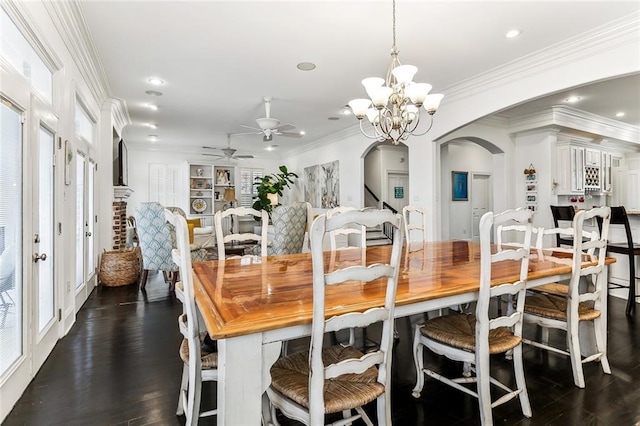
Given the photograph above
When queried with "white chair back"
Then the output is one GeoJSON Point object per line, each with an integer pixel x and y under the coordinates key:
{"type": "Point", "coordinates": [522, 218]}
{"type": "Point", "coordinates": [223, 237]}
{"type": "Point", "coordinates": [419, 224]}
{"type": "Point", "coordinates": [355, 230]}
{"type": "Point", "coordinates": [368, 275]}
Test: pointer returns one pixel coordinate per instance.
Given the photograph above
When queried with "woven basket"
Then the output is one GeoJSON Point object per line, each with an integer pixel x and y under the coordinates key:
{"type": "Point", "coordinates": [120, 267]}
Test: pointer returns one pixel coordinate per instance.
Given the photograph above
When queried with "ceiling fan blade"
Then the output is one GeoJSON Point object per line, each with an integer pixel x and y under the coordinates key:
{"type": "Point", "coordinates": [257, 129]}
{"type": "Point", "coordinates": [243, 156]}
{"type": "Point", "coordinates": [213, 155]}
{"type": "Point", "coordinates": [247, 133]}
{"type": "Point", "coordinates": [284, 128]}
{"type": "Point", "coordinates": [291, 134]}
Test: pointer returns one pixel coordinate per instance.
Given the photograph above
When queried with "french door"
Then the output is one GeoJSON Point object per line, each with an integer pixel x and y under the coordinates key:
{"type": "Point", "coordinates": [41, 163]}
{"type": "Point", "coordinates": [85, 228]}
{"type": "Point", "coordinates": [29, 295]}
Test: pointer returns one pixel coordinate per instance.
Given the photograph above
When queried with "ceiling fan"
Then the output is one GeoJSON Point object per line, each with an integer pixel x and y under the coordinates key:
{"type": "Point", "coordinates": [228, 152]}
{"type": "Point", "coordinates": [269, 126]}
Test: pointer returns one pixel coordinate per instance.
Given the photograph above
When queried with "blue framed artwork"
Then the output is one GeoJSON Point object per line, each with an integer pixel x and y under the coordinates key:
{"type": "Point", "coordinates": [459, 186]}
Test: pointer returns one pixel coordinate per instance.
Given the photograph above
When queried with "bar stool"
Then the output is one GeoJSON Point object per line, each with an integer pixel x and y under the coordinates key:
{"type": "Point", "coordinates": [565, 214]}
{"type": "Point", "coordinates": [629, 248]}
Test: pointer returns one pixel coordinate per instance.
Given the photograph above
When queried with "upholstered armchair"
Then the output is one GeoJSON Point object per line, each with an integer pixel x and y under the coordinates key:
{"type": "Point", "coordinates": [290, 224]}
{"type": "Point", "coordinates": [155, 241]}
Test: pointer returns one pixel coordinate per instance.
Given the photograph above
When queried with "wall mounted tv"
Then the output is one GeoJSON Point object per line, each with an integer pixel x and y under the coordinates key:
{"type": "Point", "coordinates": [120, 164]}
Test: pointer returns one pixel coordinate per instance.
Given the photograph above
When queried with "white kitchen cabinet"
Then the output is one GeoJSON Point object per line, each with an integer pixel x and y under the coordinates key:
{"type": "Point", "coordinates": [592, 157]}
{"type": "Point", "coordinates": [633, 191]}
{"type": "Point", "coordinates": [606, 173]}
{"type": "Point", "coordinates": [570, 169]}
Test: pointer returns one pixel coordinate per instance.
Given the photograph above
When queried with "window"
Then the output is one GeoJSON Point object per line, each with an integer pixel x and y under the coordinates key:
{"type": "Point", "coordinates": [15, 48]}
{"type": "Point", "coordinates": [84, 123]}
{"type": "Point", "coordinates": [247, 187]}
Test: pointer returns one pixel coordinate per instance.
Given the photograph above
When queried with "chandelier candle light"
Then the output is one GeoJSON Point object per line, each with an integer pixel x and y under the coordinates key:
{"type": "Point", "coordinates": [395, 114]}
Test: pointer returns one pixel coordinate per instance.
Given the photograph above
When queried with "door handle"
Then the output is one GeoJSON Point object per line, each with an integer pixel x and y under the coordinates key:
{"type": "Point", "coordinates": [37, 257]}
{"type": "Point", "coordinates": [88, 234]}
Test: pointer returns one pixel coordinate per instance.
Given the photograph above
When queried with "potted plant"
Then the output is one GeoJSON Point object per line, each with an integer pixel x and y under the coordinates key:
{"type": "Point", "coordinates": [270, 186]}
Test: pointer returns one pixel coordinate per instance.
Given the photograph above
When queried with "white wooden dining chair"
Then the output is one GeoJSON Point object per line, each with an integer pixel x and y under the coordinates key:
{"type": "Point", "coordinates": [473, 338]}
{"type": "Point", "coordinates": [237, 212]}
{"type": "Point", "coordinates": [356, 238]}
{"type": "Point", "coordinates": [567, 235]}
{"type": "Point", "coordinates": [359, 232]}
{"type": "Point", "coordinates": [581, 303]}
{"type": "Point", "coordinates": [198, 366]}
{"type": "Point", "coordinates": [308, 385]}
{"type": "Point", "coordinates": [419, 224]}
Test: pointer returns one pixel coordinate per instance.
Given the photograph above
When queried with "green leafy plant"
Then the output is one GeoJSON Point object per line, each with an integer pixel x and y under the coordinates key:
{"type": "Point", "coordinates": [274, 183]}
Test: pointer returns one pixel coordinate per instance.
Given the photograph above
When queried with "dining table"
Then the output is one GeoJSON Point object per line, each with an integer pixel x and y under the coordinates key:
{"type": "Point", "coordinates": [252, 304]}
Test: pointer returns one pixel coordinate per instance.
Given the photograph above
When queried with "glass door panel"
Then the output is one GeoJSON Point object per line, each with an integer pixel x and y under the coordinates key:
{"type": "Point", "coordinates": [80, 163]}
{"type": "Point", "coordinates": [90, 221]}
{"type": "Point", "coordinates": [11, 289]}
{"type": "Point", "coordinates": [45, 262]}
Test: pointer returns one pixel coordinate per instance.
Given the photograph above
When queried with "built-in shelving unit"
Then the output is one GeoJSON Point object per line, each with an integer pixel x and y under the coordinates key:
{"type": "Point", "coordinates": [207, 185]}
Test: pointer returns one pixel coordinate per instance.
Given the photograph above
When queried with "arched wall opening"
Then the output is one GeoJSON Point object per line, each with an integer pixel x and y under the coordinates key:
{"type": "Point", "coordinates": [471, 173]}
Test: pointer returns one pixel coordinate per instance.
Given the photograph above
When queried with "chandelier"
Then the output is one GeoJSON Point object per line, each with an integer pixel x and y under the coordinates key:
{"type": "Point", "coordinates": [396, 101]}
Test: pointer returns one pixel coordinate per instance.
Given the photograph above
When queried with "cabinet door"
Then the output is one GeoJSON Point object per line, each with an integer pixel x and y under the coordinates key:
{"type": "Point", "coordinates": [605, 166]}
{"type": "Point", "coordinates": [577, 170]}
{"type": "Point", "coordinates": [592, 157]}
{"type": "Point", "coordinates": [563, 170]}
{"type": "Point", "coordinates": [633, 191]}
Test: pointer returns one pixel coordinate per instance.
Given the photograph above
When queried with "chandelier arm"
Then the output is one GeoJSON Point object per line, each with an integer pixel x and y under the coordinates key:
{"type": "Point", "coordinates": [376, 137]}
{"type": "Point", "coordinates": [428, 128]}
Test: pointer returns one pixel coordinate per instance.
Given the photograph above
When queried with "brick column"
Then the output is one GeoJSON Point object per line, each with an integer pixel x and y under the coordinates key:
{"type": "Point", "coordinates": [119, 224]}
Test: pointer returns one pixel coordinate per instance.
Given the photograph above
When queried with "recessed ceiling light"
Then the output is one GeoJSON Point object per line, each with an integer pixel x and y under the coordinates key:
{"type": "Point", "coordinates": [153, 138]}
{"type": "Point", "coordinates": [152, 107]}
{"type": "Point", "coordinates": [271, 147]}
{"type": "Point", "coordinates": [302, 132]}
{"type": "Point", "coordinates": [573, 99]}
{"type": "Point", "coordinates": [513, 33]}
{"type": "Point", "coordinates": [155, 81]}
{"type": "Point", "coordinates": [306, 66]}
{"type": "Point", "coordinates": [152, 125]}
{"type": "Point", "coordinates": [334, 118]}
{"type": "Point", "coordinates": [346, 110]}
{"type": "Point", "coordinates": [153, 93]}
{"type": "Point", "coordinates": [620, 114]}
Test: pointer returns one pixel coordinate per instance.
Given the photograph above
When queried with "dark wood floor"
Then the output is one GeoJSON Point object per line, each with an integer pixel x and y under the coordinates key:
{"type": "Point", "coordinates": [119, 365]}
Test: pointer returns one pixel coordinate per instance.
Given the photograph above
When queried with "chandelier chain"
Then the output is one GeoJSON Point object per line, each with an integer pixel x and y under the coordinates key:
{"type": "Point", "coordinates": [394, 26]}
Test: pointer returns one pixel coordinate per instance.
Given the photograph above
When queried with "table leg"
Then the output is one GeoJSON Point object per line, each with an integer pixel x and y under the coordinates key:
{"type": "Point", "coordinates": [243, 374]}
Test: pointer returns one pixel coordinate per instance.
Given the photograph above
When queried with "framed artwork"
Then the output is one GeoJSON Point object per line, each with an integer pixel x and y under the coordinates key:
{"type": "Point", "coordinates": [532, 187]}
{"type": "Point", "coordinates": [459, 186]}
{"type": "Point", "coordinates": [532, 198]}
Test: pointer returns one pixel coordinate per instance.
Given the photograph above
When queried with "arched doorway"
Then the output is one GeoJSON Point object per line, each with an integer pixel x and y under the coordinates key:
{"type": "Point", "coordinates": [386, 176]}
{"type": "Point", "coordinates": [477, 165]}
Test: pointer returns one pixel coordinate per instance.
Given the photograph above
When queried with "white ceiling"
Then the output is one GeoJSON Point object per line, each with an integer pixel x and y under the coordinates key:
{"type": "Point", "coordinates": [219, 58]}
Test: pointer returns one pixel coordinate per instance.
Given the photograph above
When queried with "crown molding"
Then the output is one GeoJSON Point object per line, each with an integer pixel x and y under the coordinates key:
{"type": "Point", "coordinates": [572, 118]}
{"type": "Point", "coordinates": [119, 113]}
{"type": "Point", "coordinates": [327, 140]}
{"type": "Point", "coordinates": [605, 37]}
{"type": "Point", "coordinates": [68, 19]}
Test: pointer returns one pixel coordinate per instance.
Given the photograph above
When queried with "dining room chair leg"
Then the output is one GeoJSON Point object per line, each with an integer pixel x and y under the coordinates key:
{"type": "Point", "coordinates": [574, 354]}
{"type": "Point", "coordinates": [631, 299]}
{"type": "Point", "coordinates": [143, 280]}
{"type": "Point", "coordinates": [484, 388]}
{"type": "Point", "coordinates": [418, 349]}
{"type": "Point", "coordinates": [183, 387]}
{"type": "Point", "coordinates": [518, 367]}
{"type": "Point", "coordinates": [600, 333]}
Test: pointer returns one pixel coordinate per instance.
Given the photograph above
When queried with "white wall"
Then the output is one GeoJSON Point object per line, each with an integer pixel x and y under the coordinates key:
{"type": "Point", "coordinates": [140, 159]}
{"type": "Point", "coordinates": [469, 157]}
